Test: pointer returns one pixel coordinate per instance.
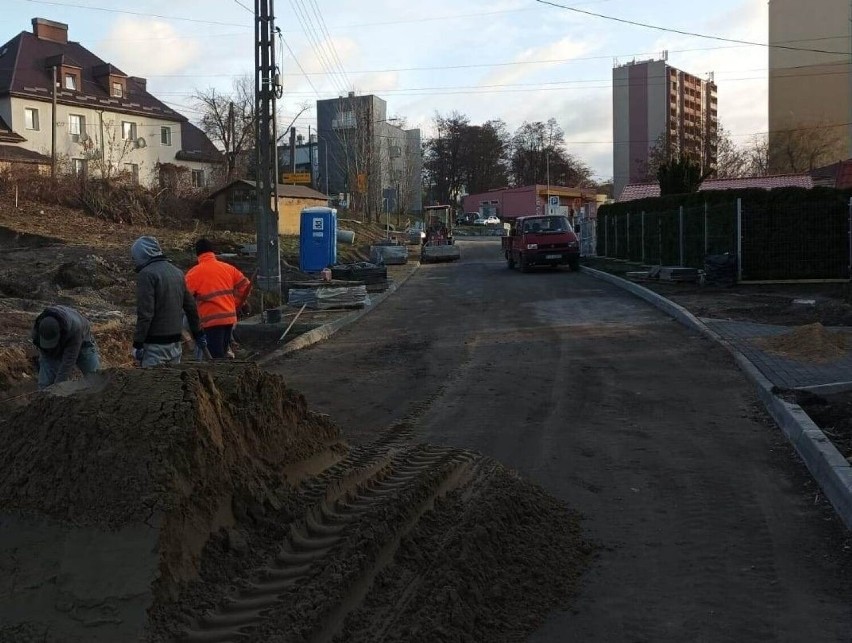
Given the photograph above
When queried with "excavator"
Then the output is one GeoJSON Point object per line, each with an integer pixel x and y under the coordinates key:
{"type": "Point", "coordinates": [439, 244]}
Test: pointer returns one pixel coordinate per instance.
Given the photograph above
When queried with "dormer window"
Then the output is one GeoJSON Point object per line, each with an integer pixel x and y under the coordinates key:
{"type": "Point", "coordinates": [69, 77]}
{"type": "Point", "coordinates": [70, 82]}
{"type": "Point", "coordinates": [117, 90]}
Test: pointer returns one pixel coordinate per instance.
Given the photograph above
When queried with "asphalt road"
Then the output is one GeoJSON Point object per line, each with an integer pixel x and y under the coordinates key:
{"type": "Point", "coordinates": [709, 527]}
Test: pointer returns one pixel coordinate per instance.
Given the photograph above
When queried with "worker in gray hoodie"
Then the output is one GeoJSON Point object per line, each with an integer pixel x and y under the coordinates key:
{"type": "Point", "coordinates": [161, 302]}
{"type": "Point", "coordinates": [64, 339]}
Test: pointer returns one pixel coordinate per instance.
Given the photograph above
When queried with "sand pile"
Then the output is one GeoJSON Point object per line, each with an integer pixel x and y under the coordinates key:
{"type": "Point", "coordinates": [811, 343]}
{"type": "Point", "coordinates": [181, 451]}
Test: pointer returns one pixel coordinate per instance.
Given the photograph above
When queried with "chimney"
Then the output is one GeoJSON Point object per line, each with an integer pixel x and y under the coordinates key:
{"type": "Point", "coordinates": [351, 94]}
{"type": "Point", "coordinates": [49, 30]}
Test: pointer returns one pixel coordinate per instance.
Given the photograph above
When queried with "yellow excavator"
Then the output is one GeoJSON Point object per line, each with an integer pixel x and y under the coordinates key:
{"type": "Point", "coordinates": [438, 244]}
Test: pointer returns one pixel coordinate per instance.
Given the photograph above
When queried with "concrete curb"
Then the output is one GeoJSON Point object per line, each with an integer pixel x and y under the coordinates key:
{"type": "Point", "coordinates": [829, 468]}
{"type": "Point", "coordinates": [327, 330]}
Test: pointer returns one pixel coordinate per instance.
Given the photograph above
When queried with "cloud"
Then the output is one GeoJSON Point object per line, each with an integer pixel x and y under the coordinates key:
{"type": "Point", "coordinates": [566, 48]}
{"type": "Point", "coordinates": [143, 47]}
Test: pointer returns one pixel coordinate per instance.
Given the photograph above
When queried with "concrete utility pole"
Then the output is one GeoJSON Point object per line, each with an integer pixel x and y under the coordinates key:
{"type": "Point", "coordinates": [293, 150]}
{"type": "Point", "coordinates": [267, 90]}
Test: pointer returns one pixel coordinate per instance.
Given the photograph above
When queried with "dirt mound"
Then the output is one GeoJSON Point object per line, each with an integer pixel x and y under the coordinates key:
{"type": "Point", "coordinates": [187, 447]}
{"type": "Point", "coordinates": [399, 542]}
{"type": "Point", "coordinates": [810, 343]}
{"type": "Point", "coordinates": [90, 271]}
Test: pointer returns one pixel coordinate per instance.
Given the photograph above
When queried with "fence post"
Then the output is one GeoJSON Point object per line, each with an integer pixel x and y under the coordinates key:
{"type": "Point", "coordinates": [643, 233]}
{"type": "Point", "coordinates": [606, 236]}
{"type": "Point", "coordinates": [660, 236]}
{"type": "Point", "coordinates": [616, 236]}
{"type": "Point", "coordinates": [680, 235]}
{"type": "Point", "coordinates": [739, 240]}
{"type": "Point", "coordinates": [628, 236]}
{"type": "Point", "coordinates": [850, 238]}
{"type": "Point", "coordinates": [706, 243]}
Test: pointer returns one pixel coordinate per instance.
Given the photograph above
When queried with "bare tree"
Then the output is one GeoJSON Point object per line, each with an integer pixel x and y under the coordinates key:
{"type": "Point", "coordinates": [228, 119]}
{"type": "Point", "coordinates": [805, 148]}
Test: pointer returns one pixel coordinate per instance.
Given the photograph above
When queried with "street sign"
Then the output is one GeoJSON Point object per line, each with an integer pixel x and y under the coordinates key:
{"type": "Point", "coordinates": [296, 177]}
{"type": "Point", "coordinates": [554, 200]}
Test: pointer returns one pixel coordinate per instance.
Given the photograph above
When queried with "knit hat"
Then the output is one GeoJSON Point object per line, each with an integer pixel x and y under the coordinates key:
{"type": "Point", "coordinates": [48, 333]}
{"type": "Point", "coordinates": [202, 246]}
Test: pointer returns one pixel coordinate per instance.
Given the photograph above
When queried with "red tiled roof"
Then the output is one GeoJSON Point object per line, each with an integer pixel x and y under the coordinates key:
{"type": "Point", "coordinates": [23, 73]}
{"type": "Point", "coordinates": [195, 146]}
{"type": "Point", "coordinates": [284, 190]}
{"type": "Point", "coordinates": [15, 154]}
{"type": "Point", "coordinates": [7, 135]}
{"type": "Point", "coordinates": [635, 191]}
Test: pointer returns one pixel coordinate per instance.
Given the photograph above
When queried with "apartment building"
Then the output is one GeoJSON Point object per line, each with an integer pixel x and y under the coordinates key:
{"type": "Point", "coordinates": [105, 122]}
{"type": "Point", "coordinates": [373, 163]}
{"type": "Point", "coordinates": [810, 83]}
{"type": "Point", "coordinates": [655, 103]}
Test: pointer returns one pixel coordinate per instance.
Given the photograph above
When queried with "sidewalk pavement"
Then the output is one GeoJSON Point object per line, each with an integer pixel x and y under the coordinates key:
{"type": "Point", "coordinates": [783, 372]}
{"type": "Point", "coordinates": [829, 468]}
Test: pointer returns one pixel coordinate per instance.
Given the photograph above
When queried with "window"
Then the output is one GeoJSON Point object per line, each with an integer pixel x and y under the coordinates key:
{"type": "Point", "coordinates": [76, 126]}
{"type": "Point", "coordinates": [128, 131]}
{"type": "Point", "coordinates": [198, 178]}
{"type": "Point", "coordinates": [31, 118]}
{"type": "Point", "coordinates": [117, 90]}
{"type": "Point", "coordinates": [70, 82]}
{"type": "Point", "coordinates": [79, 167]}
{"type": "Point", "coordinates": [132, 170]}
{"type": "Point", "coordinates": [166, 135]}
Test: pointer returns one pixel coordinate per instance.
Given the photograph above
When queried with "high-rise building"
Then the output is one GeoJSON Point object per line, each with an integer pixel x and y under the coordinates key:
{"type": "Point", "coordinates": [376, 165]}
{"type": "Point", "coordinates": [655, 104]}
{"type": "Point", "coordinates": [810, 109]}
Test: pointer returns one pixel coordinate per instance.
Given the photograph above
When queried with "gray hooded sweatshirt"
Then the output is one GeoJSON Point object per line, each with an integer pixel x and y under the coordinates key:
{"type": "Point", "coordinates": [161, 297]}
{"type": "Point", "coordinates": [74, 333]}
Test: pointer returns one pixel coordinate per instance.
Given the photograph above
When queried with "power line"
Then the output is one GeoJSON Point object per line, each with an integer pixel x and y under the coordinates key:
{"type": "Point", "coordinates": [330, 41]}
{"type": "Point", "coordinates": [136, 13]}
{"type": "Point", "coordinates": [689, 33]}
{"type": "Point", "coordinates": [296, 60]}
{"type": "Point", "coordinates": [319, 52]}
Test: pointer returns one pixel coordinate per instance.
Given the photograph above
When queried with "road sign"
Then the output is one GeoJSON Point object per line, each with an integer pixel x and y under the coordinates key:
{"type": "Point", "coordinates": [554, 200]}
{"type": "Point", "coordinates": [296, 177]}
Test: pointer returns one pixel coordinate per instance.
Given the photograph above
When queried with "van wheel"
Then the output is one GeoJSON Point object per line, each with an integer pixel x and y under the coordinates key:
{"type": "Point", "coordinates": [510, 261]}
{"type": "Point", "coordinates": [574, 264]}
{"type": "Point", "coordinates": [523, 263]}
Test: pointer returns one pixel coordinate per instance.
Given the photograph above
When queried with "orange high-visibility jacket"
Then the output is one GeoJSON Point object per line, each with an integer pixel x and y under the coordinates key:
{"type": "Point", "coordinates": [219, 288]}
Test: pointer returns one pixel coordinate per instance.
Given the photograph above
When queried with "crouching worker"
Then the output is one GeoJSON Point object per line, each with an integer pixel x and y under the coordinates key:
{"type": "Point", "coordinates": [161, 302]}
{"type": "Point", "coordinates": [64, 340]}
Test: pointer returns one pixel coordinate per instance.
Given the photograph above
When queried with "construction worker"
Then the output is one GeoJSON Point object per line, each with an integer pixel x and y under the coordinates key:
{"type": "Point", "coordinates": [219, 289]}
{"type": "Point", "coordinates": [161, 302]}
{"type": "Point", "coordinates": [64, 339]}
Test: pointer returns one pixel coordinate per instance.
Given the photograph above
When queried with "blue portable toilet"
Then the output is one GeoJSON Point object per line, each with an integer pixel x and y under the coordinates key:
{"type": "Point", "coordinates": [317, 239]}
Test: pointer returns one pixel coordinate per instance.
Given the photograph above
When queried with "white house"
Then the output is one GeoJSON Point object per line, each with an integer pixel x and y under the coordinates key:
{"type": "Point", "coordinates": [105, 122]}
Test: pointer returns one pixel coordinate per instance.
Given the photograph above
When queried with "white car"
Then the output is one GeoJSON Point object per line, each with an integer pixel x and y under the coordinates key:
{"type": "Point", "coordinates": [479, 221]}
{"type": "Point", "coordinates": [492, 220]}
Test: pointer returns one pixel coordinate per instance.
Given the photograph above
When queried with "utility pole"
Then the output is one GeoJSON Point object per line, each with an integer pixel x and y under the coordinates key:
{"type": "Point", "coordinates": [311, 158]}
{"type": "Point", "coordinates": [231, 140]}
{"type": "Point", "coordinates": [547, 157]}
{"type": "Point", "coordinates": [293, 150]}
{"type": "Point", "coordinates": [267, 90]}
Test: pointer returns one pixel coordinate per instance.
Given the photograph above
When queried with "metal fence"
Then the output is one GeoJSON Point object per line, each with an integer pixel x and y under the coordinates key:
{"type": "Point", "coordinates": [783, 242]}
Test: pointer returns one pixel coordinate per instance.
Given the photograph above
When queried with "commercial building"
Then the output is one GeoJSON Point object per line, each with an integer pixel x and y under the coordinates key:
{"type": "Point", "coordinates": [654, 103]}
{"type": "Point", "coordinates": [810, 109]}
{"type": "Point", "coordinates": [106, 123]}
{"type": "Point", "coordinates": [372, 164]}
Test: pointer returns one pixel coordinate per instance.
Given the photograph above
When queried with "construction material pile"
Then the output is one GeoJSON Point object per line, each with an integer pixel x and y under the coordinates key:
{"type": "Point", "coordinates": [329, 297]}
{"type": "Point", "coordinates": [810, 343]}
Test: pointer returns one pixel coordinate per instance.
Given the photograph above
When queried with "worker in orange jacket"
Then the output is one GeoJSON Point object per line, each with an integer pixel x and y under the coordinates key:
{"type": "Point", "coordinates": [219, 289]}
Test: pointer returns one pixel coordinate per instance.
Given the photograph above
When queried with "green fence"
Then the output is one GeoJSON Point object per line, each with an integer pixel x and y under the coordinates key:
{"type": "Point", "coordinates": [781, 240]}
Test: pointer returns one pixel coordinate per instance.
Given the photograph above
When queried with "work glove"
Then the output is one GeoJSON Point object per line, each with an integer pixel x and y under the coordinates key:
{"type": "Point", "coordinates": [201, 340]}
{"type": "Point", "coordinates": [138, 354]}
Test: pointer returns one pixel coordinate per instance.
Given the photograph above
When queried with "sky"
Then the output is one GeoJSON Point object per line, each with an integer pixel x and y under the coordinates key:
{"type": "Point", "coordinates": [515, 60]}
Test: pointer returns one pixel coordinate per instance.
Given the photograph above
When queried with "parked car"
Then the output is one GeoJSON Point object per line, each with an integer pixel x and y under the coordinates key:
{"type": "Point", "coordinates": [492, 220]}
{"type": "Point", "coordinates": [541, 241]}
{"type": "Point", "coordinates": [479, 221]}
